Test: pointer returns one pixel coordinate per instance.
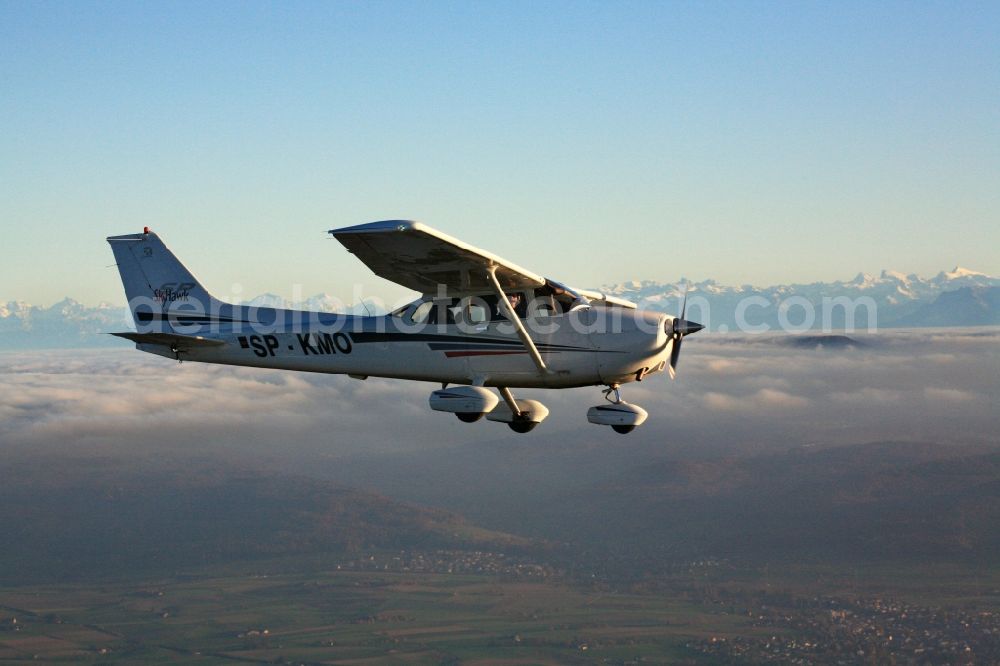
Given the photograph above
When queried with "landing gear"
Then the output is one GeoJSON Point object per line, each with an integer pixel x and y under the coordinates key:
{"type": "Point", "coordinates": [521, 416]}
{"type": "Point", "coordinates": [620, 415]}
{"type": "Point", "coordinates": [472, 403]}
{"type": "Point", "coordinates": [468, 403]}
{"type": "Point", "coordinates": [522, 426]}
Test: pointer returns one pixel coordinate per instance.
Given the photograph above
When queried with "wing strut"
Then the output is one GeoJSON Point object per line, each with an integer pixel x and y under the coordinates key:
{"type": "Point", "coordinates": [512, 316]}
{"type": "Point", "coordinates": [508, 397]}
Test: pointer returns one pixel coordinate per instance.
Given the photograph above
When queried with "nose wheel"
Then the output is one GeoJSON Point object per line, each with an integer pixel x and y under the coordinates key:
{"type": "Point", "coordinates": [623, 417]}
{"type": "Point", "coordinates": [617, 400]}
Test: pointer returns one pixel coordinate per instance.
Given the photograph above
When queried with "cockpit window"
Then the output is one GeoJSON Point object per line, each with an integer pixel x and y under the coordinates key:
{"type": "Point", "coordinates": [430, 312]}
{"type": "Point", "coordinates": [476, 313]}
{"type": "Point", "coordinates": [541, 302]}
{"type": "Point", "coordinates": [422, 312]}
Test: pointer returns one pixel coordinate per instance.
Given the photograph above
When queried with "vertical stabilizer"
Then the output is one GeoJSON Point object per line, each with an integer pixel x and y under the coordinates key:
{"type": "Point", "coordinates": [156, 282]}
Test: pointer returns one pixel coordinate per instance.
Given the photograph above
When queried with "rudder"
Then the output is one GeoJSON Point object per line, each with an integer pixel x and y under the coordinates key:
{"type": "Point", "coordinates": [155, 280]}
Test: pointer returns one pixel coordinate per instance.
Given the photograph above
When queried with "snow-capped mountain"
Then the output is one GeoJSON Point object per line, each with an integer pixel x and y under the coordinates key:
{"type": "Point", "coordinates": [959, 297]}
{"type": "Point", "coordinates": [68, 323]}
{"type": "Point", "coordinates": [892, 298]}
{"type": "Point", "coordinates": [317, 303]}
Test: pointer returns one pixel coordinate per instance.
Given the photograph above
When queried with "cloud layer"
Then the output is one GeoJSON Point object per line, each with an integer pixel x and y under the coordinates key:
{"type": "Point", "coordinates": [731, 393]}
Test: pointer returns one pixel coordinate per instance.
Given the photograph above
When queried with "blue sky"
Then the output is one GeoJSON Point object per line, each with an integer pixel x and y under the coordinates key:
{"type": "Point", "coordinates": [592, 142]}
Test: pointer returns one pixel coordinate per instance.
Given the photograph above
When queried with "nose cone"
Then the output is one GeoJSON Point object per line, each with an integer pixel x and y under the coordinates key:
{"type": "Point", "coordinates": [682, 327]}
{"type": "Point", "coordinates": [689, 327]}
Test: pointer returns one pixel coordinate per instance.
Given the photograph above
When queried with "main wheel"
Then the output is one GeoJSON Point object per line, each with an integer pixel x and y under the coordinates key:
{"type": "Point", "coordinates": [623, 429]}
{"type": "Point", "coordinates": [469, 417]}
{"type": "Point", "coordinates": [522, 426]}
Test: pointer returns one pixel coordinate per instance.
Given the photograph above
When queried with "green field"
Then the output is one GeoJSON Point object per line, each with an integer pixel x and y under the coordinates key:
{"type": "Point", "coordinates": [354, 617]}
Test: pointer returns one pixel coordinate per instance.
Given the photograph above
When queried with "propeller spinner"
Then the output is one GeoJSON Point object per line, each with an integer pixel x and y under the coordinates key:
{"type": "Point", "coordinates": [677, 329]}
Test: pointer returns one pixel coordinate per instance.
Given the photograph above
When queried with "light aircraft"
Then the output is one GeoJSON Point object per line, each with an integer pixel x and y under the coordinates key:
{"type": "Point", "coordinates": [480, 322]}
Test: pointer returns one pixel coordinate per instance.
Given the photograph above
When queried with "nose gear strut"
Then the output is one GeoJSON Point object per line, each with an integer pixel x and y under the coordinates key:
{"type": "Point", "coordinates": [620, 415]}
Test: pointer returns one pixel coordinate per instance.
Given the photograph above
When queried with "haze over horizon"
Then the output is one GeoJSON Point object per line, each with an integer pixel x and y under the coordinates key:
{"type": "Point", "coordinates": [748, 143]}
{"type": "Point", "coordinates": [383, 289]}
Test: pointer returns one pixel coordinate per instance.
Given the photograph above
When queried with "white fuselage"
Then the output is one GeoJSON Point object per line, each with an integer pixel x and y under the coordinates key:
{"type": "Point", "coordinates": [597, 345]}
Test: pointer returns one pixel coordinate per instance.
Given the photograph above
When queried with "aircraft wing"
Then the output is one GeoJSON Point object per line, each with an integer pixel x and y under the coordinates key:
{"type": "Point", "coordinates": [420, 258]}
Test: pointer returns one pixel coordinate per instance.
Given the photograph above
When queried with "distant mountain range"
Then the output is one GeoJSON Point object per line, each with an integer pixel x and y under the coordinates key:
{"type": "Point", "coordinates": [70, 324]}
{"type": "Point", "coordinates": [960, 297]}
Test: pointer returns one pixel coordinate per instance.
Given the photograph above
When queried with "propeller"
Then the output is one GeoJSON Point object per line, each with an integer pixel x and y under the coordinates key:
{"type": "Point", "coordinates": [677, 329]}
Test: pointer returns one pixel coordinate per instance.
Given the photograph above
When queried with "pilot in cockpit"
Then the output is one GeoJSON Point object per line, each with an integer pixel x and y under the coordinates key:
{"type": "Point", "coordinates": [515, 302]}
{"type": "Point", "coordinates": [497, 310]}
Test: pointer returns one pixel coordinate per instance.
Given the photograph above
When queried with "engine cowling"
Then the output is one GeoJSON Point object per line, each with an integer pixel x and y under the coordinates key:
{"type": "Point", "coordinates": [622, 416]}
{"type": "Point", "coordinates": [469, 403]}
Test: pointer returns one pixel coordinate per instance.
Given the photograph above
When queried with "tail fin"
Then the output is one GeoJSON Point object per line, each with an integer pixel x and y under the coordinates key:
{"type": "Point", "coordinates": [156, 281]}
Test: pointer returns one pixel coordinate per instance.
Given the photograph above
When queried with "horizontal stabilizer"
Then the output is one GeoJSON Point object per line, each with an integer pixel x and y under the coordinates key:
{"type": "Point", "coordinates": [172, 340]}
